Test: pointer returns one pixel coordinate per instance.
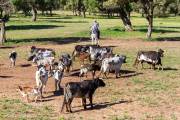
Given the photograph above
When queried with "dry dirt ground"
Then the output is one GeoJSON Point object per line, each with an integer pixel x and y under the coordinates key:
{"type": "Point", "coordinates": [120, 98]}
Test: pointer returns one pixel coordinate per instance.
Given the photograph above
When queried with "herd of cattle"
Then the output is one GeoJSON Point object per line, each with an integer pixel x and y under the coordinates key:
{"type": "Point", "coordinates": [91, 57]}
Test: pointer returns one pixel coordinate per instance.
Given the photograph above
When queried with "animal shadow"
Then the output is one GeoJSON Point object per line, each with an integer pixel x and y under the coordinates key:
{"type": "Point", "coordinates": [25, 65]}
{"type": "Point", "coordinates": [4, 76]}
{"type": "Point", "coordinates": [103, 105]}
{"type": "Point", "coordinates": [46, 100]}
{"type": "Point", "coordinates": [128, 73]}
{"type": "Point", "coordinates": [169, 69]}
{"type": "Point", "coordinates": [75, 73]}
{"type": "Point", "coordinates": [55, 93]}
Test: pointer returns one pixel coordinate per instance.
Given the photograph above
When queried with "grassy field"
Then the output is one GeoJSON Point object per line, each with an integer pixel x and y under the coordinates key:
{"type": "Point", "coordinates": [142, 94]}
{"type": "Point", "coordinates": [59, 27]}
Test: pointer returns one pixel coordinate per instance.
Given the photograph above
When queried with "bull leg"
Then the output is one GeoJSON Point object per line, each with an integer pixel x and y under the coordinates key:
{"type": "Point", "coordinates": [150, 66]}
{"type": "Point", "coordinates": [44, 90]}
{"type": "Point", "coordinates": [162, 67]}
{"type": "Point", "coordinates": [27, 99]}
{"type": "Point", "coordinates": [68, 69]}
{"type": "Point", "coordinates": [59, 85]}
{"type": "Point", "coordinates": [40, 89]}
{"type": "Point", "coordinates": [142, 64]}
{"type": "Point", "coordinates": [14, 63]}
{"type": "Point", "coordinates": [84, 103]}
{"type": "Point", "coordinates": [64, 104]}
{"type": "Point", "coordinates": [90, 100]}
{"type": "Point", "coordinates": [35, 99]}
{"type": "Point", "coordinates": [56, 82]}
{"type": "Point", "coordinates": [117, 73]}
{"type": "Point", "coordinates": [100, 74]}
{"type": "Point", "coordinates": [86, 75]}
{"type": "Point", "coordinates": [153, 65]}
{"type": "Point", "coordinates": [69, 104]}
{"type": "Point", "coordinates": [93, 74]}
{"type": "Point", "coordinates": [105, 74]}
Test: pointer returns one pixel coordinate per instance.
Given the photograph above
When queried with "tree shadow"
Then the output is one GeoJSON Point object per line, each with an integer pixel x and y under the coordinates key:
{"type": "Point", "coordinates": [102, 105]}
{"type": "Point", "coordinates": [65, 17]}
{"type": "Point", "coordinates": [60, 21]}
{"type": "Point", "coordinates": [173, 27]}
{"type": "Point", "coordinates": [56, 40]}
{"type": "Point", "coordinates": [27, 27]}
{"type": "Point", "coordinates": [7, 47]}
{"type": "Point", "coordinates": [156, 30]}
{"type": "Point", "coordinates": [4, 76]}
{"type": "Point", "coordinates": [168, 39]}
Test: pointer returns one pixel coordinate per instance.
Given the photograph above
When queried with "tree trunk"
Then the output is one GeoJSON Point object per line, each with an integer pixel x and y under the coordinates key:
{"type": "Point", "coordinates": [34, 14]}
{"type": "Point", "coordinates": [1, 13]}
{"type": "Point", "coordinates": [3, 32]}
{"type": "Point", "coordinates": [126, 21]}
{"type": "Point", "coordinates": [148, 7]}
{"type": "Point", "coordinates": [84, 14]}
{"type": "Point", "coordinates": [150, 27]}
{"type": "Point", "coordinates": [50, 11]}
{"type": "Point", "coordinates": [42, 12]}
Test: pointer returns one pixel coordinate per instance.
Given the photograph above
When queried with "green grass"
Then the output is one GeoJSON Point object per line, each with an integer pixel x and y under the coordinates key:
{"type": "Point", "coordinates": [16, 110]}
{"type": "Point", "coordinates": [61, 27]}
{"type": "Point", "coordinates": [150, 89]}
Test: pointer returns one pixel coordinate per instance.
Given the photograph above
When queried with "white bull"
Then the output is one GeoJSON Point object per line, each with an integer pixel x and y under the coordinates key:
{"type": "Point", "coordinates": [112, 64]}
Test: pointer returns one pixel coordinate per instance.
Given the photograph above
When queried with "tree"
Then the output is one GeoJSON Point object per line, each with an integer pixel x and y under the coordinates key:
{"type": "Point", "coordinates": [122, 7]}
{"type": "Point", "coordinates": [32, 6]}
{"type": "Point", "coordinates": [148, 7]}
{"type": "Point", "coordinates": [6, 7]}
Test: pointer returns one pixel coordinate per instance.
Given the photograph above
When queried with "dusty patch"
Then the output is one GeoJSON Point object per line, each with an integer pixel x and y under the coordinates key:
{"type": "Point", "coordinates": [131, 96]}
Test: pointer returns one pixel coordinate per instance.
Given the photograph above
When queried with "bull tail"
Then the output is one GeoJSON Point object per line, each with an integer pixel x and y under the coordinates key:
{"type": "Point", "coordinates": [73, 55]}
{"type": "Point", "coordinates": [135, 62]}
{"type": "Point", "coordinates": [54, 53]}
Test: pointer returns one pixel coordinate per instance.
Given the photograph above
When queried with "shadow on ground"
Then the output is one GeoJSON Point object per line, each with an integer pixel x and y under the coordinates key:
{"type": "Point", "coordinates": [28, 27]}
{"type": "Point", "coordinates": [7, 47]}
{"type": "Point", "coordinates": [4, 76]}
{"type": "Point", "coordinates": [56, 40]}
{"type": "Point", "coordinates": [168, 39]}
{"type": "Point", "coordinates": [25, 65]}
{"type": "Point", "coordinates": [102, 105]}
{"type": "Point", "coordinates": [170, 69]}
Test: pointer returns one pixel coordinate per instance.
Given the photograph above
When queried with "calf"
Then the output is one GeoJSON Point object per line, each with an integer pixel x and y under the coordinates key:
{"type": "Point", "coordinates": [66, 60]}
{"type": "Point", "coordinates": [13, 57]}
{"type": "Point", "coordinates": [34, 49]}
{"type": "Point", "coordinates": [99, 53]}
{"type": "Point", "coordinates": [41, 78]}
{"type": "Point", "coordinates": [47, 61]}
{"type": "Point", "coordinates": [84, 89]}
{"type": "Point", "coordinates": [78, 49]}
{"type": "Point", "coordinates": [83, 56]}
{"type": "Point", "coordinates": [81, 48]}
{"type": "Point", "coordinates": [113, 63]}
{"type": "Point", "coordinates": [88, 68]}
{"type": "Point", "coordinates": [151, 57]}
{"type": "Point", "coordinates": [42, 52]}
{"type": "Point", "coordinates": [58, 75]}
{"type": "Point", "coordinates": [29, 92]}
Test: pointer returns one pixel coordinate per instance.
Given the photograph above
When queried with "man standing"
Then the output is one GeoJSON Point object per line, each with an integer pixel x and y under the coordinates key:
{"type": "Point", "coordinates": [95, 33]}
